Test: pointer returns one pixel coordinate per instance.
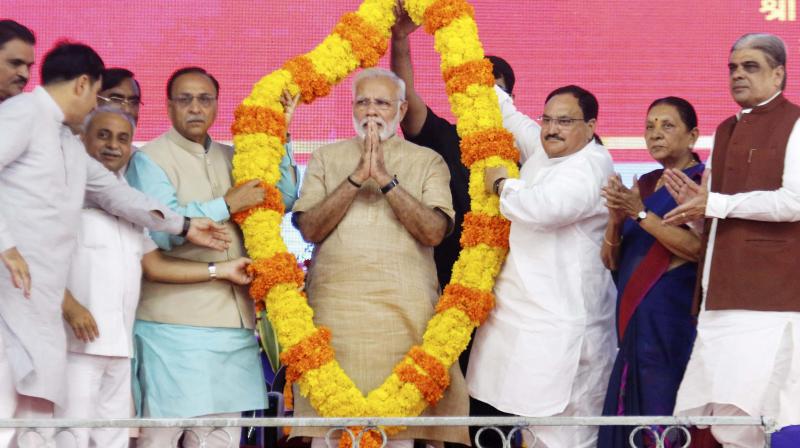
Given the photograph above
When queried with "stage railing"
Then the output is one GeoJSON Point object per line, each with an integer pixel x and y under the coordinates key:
{"type": "Point", "coordinates": [659, 428]}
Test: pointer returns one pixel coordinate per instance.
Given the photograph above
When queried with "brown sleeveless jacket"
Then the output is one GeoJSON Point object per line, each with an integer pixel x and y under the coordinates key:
{"type": "Point", "coordinates": [754, 262]}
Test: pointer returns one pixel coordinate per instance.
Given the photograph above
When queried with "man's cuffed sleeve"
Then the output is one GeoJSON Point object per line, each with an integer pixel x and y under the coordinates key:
{"type": "Point", "coordinates": [289, 182]}
{"type": "Point", "coordinates": [436, 189]}
{"type": "Point", "coordinates": [313, 190]}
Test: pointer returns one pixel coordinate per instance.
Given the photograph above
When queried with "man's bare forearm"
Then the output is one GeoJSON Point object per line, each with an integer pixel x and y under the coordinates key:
{"type": "Point", "coordinates": [316, 224]}
{"type": "Point", "coordinates": [401, 65]}
{"type": "Point", "coordinates": [425, 224]}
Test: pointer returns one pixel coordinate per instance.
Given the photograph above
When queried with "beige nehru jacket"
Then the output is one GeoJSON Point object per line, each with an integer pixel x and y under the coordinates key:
{"type": "Point", "coordinates": [370, 281]}
{"type": "Point", "coordinates": [196, 176]}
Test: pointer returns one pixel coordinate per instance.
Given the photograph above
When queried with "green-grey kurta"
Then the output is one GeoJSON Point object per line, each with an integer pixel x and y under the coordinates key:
{"type": "Point", "coordinates": [370, 281]}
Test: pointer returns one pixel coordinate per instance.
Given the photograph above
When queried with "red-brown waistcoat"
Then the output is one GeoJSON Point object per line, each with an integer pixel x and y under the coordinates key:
{"type": "Point", "coordinates": [754, 264]}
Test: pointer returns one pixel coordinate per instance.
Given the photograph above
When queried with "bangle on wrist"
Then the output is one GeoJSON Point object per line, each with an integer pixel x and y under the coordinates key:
{"type": "Point", "coordinates": [605, 240]}
{"type": "Point", "coordinates": [388, 187]}
{"type": "Point", "coordinates": [187, 222]}
{"type": "Point", "coordinates": [496, 185]}
{"type": "Point", "coordinates": [212, 271]}
{"type": "Point", "coordinates": [353, 183]}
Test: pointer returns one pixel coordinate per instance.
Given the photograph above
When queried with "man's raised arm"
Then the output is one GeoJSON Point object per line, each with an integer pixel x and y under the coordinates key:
{"type": "Point", "coordinates": [401, 66]}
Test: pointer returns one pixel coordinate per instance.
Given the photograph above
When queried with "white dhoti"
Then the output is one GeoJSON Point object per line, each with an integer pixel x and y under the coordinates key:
{"type": "Point", "coordinates": [15, 405]}
{"type": "Point", "coordinates": [98, 387]}
{"type": "Point", "coordinates": [749, 360]}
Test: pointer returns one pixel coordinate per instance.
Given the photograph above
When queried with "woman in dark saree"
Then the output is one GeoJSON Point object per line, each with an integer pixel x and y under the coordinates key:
{"type": "Point", "coordinates": [656, 270]}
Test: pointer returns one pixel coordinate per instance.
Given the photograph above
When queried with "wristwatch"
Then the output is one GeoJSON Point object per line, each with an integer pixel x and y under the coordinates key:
{"type": "Point", "coordinates": [641, 215]}
{"type": "Point", "coordinates": [187, 223]}
{"type": "Point", "coordinates": [212, 271]}
{"type": "Point", "coordinates": [388, 187]}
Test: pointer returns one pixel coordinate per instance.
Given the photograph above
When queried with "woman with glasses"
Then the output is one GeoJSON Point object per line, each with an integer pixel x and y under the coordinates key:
{"type": "Point", "coordinates": [655, 270]}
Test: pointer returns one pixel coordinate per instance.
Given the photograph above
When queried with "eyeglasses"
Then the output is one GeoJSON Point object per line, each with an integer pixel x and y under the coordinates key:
{"type": "Point", "coordinates": [561, 122]}
{"type": "Point", "coordinates": [187, 100]}
{"type": "Point", "coordinates": [120, 100]}
{"type": "Point", "coordinates": [380, 103]}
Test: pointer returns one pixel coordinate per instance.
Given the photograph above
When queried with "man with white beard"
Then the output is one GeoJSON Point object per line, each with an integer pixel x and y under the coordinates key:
{"type": "Point", "coordinates": [375, 206]}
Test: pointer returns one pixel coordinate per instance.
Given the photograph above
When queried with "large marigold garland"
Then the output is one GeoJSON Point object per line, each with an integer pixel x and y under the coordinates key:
{"type": "Point", "coordinates": [359, 40]}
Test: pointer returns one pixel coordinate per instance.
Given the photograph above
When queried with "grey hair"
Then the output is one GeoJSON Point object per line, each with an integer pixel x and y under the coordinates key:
{"type": "Point", "coordinates": [110, 110]}
{"type": "Point", "coordinates": [380, 73]}
{"type": "Point", "coordinates": [771, 45]}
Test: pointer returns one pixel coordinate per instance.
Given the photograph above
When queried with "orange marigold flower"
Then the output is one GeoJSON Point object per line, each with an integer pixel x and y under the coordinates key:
{"type": "Point", "coordinates": [443, 12]}
{"type": "Point", "coordinates": [490, 230]}
{"type": "Point", "coordinates": [311, 353]}
{"type": "Point", "coordinates": [371, 439]}
{"type": "Point", "coordinates": [280, 268]}
{"type": "Point", "coordinates": [427, 387]}
{"type": "Point", "coordinates": [475, 304]}
{"type": "Point", "coordinates": [312, 84]}
{"type": "Point", "coordinates": [436, 379]}
{"type": "Point", "coordinates": [288, 396]}
{"type": "Point", "coordinates": [490, 142]}
{"type": "Point", "coordinates": [273, 200]}
{"type": "Point", "coordinates": [255, 119]}
{"type": "Point", "coordinates": [458, 78]}
{"type": "Point", "coordinates": [365, 40]}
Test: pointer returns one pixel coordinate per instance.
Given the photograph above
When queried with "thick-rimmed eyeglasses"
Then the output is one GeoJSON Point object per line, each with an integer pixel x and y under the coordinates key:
{"type": "Point", "coordinates": [379, 103]}
{"type": "Point", "coordinates": [187, 100]}
{"type": "Point", "coordinates": [562, 122]}
{"type": "Point", "coordinates": [120, 100]}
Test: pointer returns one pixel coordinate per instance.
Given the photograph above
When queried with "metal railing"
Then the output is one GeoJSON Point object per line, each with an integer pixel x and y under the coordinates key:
{"type": "Point", "coordinates": [338, 426]}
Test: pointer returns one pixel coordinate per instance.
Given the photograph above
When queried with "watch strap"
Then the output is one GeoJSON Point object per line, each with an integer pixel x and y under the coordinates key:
{"type": "Point", "coordinates": [187, 223]}
{"type": "Point", "coordinates": [388, 187]}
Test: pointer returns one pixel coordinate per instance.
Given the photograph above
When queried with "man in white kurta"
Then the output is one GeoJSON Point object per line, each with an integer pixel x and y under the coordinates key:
{"type": "Point", "coordinates": [45, 176]}
{"type": "Point", "coordinates": [548, 346]}
{"type": "Point", "coordinates": [746, 358]}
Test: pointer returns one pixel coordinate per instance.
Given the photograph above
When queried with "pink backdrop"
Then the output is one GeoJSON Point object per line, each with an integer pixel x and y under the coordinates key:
{"type": "Point", "coordinates": [627, 52]}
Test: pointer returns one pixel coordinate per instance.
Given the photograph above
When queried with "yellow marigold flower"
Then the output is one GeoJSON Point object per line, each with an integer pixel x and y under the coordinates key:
{"type": "Point", "coordinates": [447, 335]}
{"type": "Point", "coordinates": [458, 43]}
{"type": "Point", "coordinates": [478, 266]}
{"type": "Point", "coordinates": [267, 91]}
{"type": "Point", "coordinates": [416, 9]}
{"type": "Point", "coordinates": [379, 13]}
{"type": "Point", "coordinates": [333, 58]}
{"type": "Point", "coordinates": [254, 165]}
{"type": "Point", "coordinates": [262, 234]}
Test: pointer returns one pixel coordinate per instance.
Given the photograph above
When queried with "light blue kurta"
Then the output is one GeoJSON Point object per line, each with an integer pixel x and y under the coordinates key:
{"type": "Point", "coordinates": [186, 371]}
{"type": "Point", "coordinates": [190, 371]}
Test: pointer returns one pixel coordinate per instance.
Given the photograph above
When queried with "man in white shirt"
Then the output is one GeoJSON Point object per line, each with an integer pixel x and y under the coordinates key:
{"type": "Point", "coordinates": [100, 308]}
{"type": "Point", "coordinates": [45, 178]}
{"type": "Point", "coordinates": [548, 346]}
{"type": "Point", "coordinates": [746, 358]}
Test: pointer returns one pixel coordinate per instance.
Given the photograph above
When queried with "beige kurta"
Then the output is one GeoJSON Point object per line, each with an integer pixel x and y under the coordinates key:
{"type": "Point", "coordinates": [370, 281]}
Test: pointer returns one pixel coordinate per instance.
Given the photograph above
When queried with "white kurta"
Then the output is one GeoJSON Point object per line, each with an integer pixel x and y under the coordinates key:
{"type": "Point", "coordinates": [111, 249]}
{"type": "Point", "coordinates": [45, 175]}
{"type": "Point", "coordinates": [553, 321]}
{"type": "Point", "coordinates": [749, 359]}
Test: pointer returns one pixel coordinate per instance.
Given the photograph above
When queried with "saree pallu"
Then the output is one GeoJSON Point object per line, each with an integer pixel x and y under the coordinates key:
{"type": "Point", "coordinates": [655, 326]}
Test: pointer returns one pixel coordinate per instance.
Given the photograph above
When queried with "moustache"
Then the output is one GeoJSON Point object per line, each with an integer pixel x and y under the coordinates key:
{"type": "Point", "coordinates": [195, 119]}
{"type": "Point", "coordinates": [111, 152]}
{"type": "Point", "coordinates": [378, 121]}
{"type": "Point", "coordinates": [20, 80]}
{"type": "Point", "coordinates": [553, 137]}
